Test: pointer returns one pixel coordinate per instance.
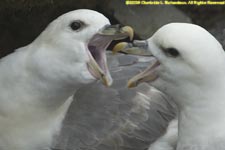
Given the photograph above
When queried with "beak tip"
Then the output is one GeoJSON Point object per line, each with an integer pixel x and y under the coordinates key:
{"type": "Point", "coordinates": [107, 81]}
{"type": "Point", "coordinates": [119, 47]}
{"type": "Point", "coordinates": [107, 84]}
{"type": "Point", "coordinates": [131, 36]}
{"type": "Point", "coordinates": [130, 32]}
{"type": "Point", "coordinates": [131, 84]}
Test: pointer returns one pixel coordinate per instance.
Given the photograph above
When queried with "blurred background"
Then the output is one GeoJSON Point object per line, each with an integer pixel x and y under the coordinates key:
{"type": "Point", "coordinates": [21, 21]}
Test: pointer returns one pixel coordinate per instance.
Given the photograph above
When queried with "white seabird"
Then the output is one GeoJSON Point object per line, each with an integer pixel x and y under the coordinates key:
{"type": "Point", "coordinates": [189, 67]}
{"type": "Point", "coordinates": [39, 80]}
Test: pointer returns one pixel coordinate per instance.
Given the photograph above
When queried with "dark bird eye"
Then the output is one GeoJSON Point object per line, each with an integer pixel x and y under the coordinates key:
{"type": "Point", "coordinates": [76, 25]}
{"type": "Point", "coordinates": [172, 52]}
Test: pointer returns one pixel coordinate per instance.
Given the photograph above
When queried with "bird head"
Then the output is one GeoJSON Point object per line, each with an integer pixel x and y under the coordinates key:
{"type": "Point", "coordinates": [186, 59]}
{"type": "Point", "coordinates": [74, 46]}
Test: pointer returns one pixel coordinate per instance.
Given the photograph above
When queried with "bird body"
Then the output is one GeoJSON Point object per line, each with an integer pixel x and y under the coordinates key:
{"type": "Point", "coordinates": [38, 81]}
{"type": "Point", "coordinates": [26, 100]}
{"type": "Point", "coordinates": [189, 68]}
{"type": "Point", "coordinates": [195, 81]}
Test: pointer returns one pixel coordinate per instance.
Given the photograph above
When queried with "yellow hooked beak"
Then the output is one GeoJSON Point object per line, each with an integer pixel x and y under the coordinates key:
{"type": "Point", "coordinates": [129, 31]}
{"type": "Point", "coordinates": [136, 48]}
{"type": "Point", "coordinates": [117, 32]}
{"type": "Point", "coordinates": [97, 64]}
{"type": "Point", "coordinates": [139, 48]}
{"type": "Point", "coordinates": [148, 75]}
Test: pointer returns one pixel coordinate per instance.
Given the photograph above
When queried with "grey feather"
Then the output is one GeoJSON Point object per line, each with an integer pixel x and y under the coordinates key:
{"type": "Point", "coordinates": [116, 118]}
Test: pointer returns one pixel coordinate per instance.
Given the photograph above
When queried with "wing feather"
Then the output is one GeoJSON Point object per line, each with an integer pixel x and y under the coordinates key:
{"type": "Point", "coordinates": [116, 118]}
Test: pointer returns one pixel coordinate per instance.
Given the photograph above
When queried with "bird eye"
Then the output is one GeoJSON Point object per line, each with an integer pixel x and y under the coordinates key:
{"type": "Point", "coordinates": [76, 25]}
{"type": "Point", "coordinates": [172, 52]}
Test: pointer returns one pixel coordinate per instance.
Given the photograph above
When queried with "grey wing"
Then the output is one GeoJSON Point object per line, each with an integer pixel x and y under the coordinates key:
{"type": "Point", "coordinates": [116, 118]}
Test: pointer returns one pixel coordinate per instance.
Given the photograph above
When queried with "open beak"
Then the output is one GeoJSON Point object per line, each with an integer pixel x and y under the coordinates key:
{"type": "Point", "coordinates": [136, 48]}
{"type": "Point", "coordinates": [97, 45]}
{"type": "Point", "coordinates": [148, 75]}
{"type": "Point", "coordinates": [140, 48]}
{"type": "Point", "coordinates": [117, 32]}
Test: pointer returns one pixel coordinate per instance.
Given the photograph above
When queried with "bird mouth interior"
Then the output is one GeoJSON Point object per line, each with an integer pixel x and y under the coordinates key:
{"type": "Point", "coordinates": [97, 48]}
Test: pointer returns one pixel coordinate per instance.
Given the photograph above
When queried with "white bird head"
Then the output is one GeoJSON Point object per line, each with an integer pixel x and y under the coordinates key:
{"type": "Point", "coordinates": [187, 58]}
{"type": "Point", "coordinates": [73, 47]}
